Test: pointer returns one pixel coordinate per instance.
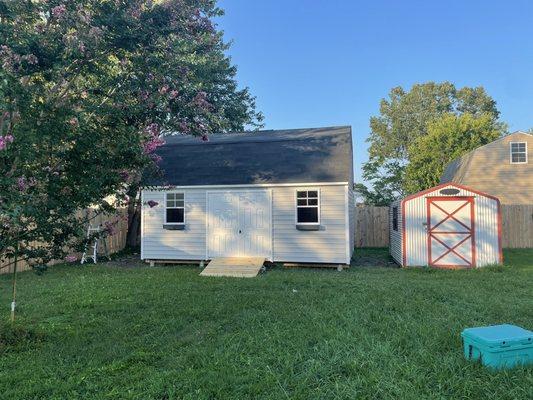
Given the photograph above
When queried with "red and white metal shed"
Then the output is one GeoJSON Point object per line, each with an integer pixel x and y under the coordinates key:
{"type": "Point", "coordinates": [447, 226]}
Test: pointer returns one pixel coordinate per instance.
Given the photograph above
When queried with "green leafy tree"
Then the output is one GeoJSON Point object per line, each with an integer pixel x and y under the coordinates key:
{"type": "Point", "coordinates": [404, 117]}
{"type": "Point", "coordinates": [87, 90]}
{"type": "Point", "coordinates": [448, 137]}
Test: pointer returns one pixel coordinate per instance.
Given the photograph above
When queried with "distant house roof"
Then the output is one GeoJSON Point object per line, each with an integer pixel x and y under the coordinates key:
{"type": "Point", "coordinates": [269, 156]}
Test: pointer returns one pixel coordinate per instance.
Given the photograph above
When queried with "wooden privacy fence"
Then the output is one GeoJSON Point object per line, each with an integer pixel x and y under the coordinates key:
{"type": "Point", "coordinates": [115, 242]}
{"type": "Point", "coordinates": [517, 226]}
{"type": "Point", "coordinates": [372, 226]}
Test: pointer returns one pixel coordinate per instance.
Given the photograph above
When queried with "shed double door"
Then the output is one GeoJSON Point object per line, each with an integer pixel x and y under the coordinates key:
{"type": "Point", "coordinates": [239, 224]}
{"type": "Point", "coordinates": [451, 233]}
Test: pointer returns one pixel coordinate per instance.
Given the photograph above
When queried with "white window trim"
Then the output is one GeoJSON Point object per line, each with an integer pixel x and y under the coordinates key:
{"type": "Point", "coordinates": [166, 208]}
{"type": "Point", "coordinates": [296, 205]}
{"type": "Point", "coordinates": [511, 154]}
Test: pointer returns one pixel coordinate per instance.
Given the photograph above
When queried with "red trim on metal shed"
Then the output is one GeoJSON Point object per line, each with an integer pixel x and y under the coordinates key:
{"type": "Point", "coordinates": [404, 236]}
{"type": "Point", "coordinates": [499, 222]}
{"type": "Point", "coordinates": [442, 185]}
{"type": "Point", "coordinates": [469, 200]}
{"type": "Point", "coordinates": [473, 214]}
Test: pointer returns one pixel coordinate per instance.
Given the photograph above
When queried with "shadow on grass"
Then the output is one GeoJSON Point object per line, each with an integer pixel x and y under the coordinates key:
{"type": "Point", "coordinates": [18, 337]}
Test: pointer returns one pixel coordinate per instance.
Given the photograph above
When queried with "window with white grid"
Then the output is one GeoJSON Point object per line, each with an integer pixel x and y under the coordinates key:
{"type": "Point", "coordinates": [307, 206]}
{"type": "Point", "coordinates": [518, 152]}
{"type": "Point", "coordinates": [175, 208]}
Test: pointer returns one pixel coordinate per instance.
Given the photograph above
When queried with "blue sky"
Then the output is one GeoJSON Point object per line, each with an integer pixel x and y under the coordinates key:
{"type": "Point", "coordinates": [318, 63]}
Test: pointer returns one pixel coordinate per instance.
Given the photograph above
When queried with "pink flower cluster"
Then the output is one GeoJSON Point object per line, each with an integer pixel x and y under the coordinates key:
{"type": "Point", "coordinates": [23, 184]}
{"type": "Point", "coordinates": [96, 33]}
{"type": "Point", "coordinates": [153, 129]}
{"type": "Point", "coordinates": [12, 61]}
{"type": "Point", "coordinates": [183, 127]}
{"type": "Point", "coordinates": [70, 258]}
{"type": "Point", "coordinates": [152, 144]}
{"type": "Point", "coordinates": [200, 100]}
{"type": "Point", "coordinates": [58, 11]}
{"type": "Point", "coordinates": [4, 140]}
{"type": "Point", "coordinates": [156, 158]}
{"type": "Point", "coordinates": [153, 141]}
{"type": "Point", "coordinates": [84, 15]}
{"type": "Point", "coordinates": [110, 227]}
{"type": "Point", "coordinates": [124, 175]}
{"type": "Point", "coordinates": [136, 13]}
{"type": "Point", "coordinates": [40, 28]}
{"type": "Point", "coordinates": [30, 59]}
{"type": "Point", "coordinates": [165, 89]}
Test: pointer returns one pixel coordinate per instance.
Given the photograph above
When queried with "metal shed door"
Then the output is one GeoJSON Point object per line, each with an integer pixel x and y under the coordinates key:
{"type": "Point", "coordinates": [239, 224]}
{"type": "Point", "coordinates": [451, 235]}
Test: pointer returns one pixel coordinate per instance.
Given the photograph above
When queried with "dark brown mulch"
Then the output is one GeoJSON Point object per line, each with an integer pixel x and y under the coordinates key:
{"type": "Point", "coordinates": [132, 260]}
{"type": "Point", "coordinates": [377, 260]}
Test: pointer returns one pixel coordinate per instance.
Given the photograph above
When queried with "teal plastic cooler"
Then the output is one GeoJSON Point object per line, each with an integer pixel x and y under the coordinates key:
{"type": "Point", "coordinates": [499, 346]}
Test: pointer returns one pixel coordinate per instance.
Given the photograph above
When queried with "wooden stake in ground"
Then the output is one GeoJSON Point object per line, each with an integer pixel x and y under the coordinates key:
{"type": "Point", "coordinates": [13, 303]}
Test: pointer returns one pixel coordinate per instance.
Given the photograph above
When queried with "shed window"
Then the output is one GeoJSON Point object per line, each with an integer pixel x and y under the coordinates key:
{"type": "Point", "coordinates": [518, 153]}
{"type": "Point", "coordinates": [175, 211]}
{"type": "Point", "coordinates": [394, 218]}
{"type": "Point", "coordinates": [307, 207]}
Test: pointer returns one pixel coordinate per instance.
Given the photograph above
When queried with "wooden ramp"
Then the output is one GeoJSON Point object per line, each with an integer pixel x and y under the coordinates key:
{"type": "Point", "coordinates": [239, 267]}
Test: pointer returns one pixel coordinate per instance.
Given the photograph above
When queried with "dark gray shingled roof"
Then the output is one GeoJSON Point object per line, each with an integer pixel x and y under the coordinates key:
{"type": "Point", "coordinates": [274, 156]}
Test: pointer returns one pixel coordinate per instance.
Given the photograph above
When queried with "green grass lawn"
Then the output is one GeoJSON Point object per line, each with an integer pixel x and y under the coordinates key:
{"type": "Point", "coordinates": [114, 332]}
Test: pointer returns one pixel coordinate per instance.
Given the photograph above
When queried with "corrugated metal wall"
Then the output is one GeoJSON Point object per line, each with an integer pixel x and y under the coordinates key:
{"type": "Point", "coordinates": [486, 227]}
{"type": "Point", "coordinates": [396, 235]}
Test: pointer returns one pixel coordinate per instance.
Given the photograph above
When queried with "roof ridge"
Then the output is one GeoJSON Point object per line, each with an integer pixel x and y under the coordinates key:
{"type": "Point", "coordinates": [284, 135]}
{"type": "Point", "coordinates": [282, 130]}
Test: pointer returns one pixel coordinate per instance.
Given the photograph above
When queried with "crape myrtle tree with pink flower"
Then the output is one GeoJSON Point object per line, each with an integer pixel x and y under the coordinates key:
{"type": "Point", "coordinates": [87, 90]}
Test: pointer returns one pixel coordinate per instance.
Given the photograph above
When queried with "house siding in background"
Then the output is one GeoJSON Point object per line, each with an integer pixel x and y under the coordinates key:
{"type": "Point", "coordinates": [489, 169]}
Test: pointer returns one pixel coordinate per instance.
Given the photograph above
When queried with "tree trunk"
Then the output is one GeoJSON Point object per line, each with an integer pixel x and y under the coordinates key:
{"type": "Point", "coordinates": [134, 221]}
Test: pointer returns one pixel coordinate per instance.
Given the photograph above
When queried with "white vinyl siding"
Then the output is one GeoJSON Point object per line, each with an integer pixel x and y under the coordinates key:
{"type": "Point", "coordinates": [351, 216]}
{"type": "Point", "coordinates": [326, 245]}
{"type": "Point", "coordinates": [161, 244]}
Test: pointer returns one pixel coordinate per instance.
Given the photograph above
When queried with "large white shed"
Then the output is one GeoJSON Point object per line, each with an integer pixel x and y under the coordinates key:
{"type": "Point", "coordinates": [285, 195]}
{"type": "Point", "coordinates": [447, 226]}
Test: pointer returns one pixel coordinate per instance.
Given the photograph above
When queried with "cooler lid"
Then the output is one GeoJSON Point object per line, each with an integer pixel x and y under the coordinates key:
{"type": "Point", "coordinates": [499, 335]}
